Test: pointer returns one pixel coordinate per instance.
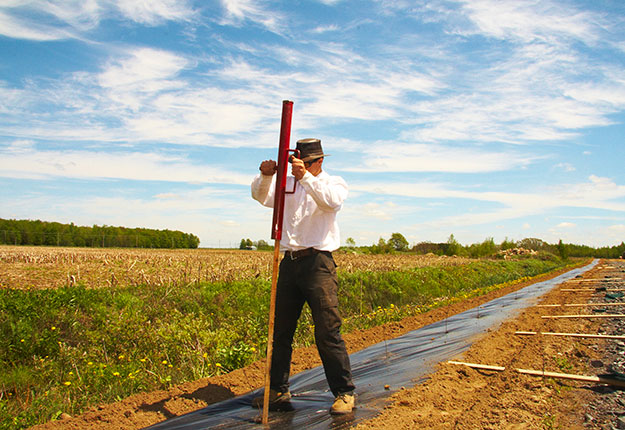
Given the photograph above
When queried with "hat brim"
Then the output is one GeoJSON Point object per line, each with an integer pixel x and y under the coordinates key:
{"type": "Point", "coordinates": [313, 157]}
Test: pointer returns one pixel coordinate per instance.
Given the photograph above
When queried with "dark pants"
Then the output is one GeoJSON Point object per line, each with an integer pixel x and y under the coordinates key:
{"type": "Point", "coordinates": [313, 280]}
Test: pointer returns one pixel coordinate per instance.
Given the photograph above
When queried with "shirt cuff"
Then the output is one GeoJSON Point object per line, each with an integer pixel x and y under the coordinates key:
{"type": "Point", "coordinates": [307, 178]}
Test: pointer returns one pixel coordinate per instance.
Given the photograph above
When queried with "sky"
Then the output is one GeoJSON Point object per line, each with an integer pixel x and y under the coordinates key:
{"type": "Point", "coordinates": [500, 119]}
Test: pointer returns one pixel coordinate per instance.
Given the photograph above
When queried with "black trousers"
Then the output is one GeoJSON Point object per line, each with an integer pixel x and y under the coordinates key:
{"type": "Point", "coordinates": [311, 279]}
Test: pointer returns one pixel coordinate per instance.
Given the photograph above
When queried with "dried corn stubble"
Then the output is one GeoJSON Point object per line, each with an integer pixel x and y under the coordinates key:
{"type": "Point", "coordinates": [52, 267]}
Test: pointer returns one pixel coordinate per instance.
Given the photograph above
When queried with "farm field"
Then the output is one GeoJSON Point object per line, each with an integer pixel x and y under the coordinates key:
{"type": "Point", "coordinates": [83, 328]}
{"type": "Point", "coordinates": [51, 267]}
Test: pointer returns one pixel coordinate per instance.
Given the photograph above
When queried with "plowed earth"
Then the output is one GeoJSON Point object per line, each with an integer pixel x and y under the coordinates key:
{"type": "Point", "coordinates": [454, 397]}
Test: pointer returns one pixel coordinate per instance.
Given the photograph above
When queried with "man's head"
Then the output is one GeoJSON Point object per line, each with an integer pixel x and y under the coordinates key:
{"type": "Point", "coordinates": [311, 153]}
{"type": "Point", "coordinates": [310, 150]}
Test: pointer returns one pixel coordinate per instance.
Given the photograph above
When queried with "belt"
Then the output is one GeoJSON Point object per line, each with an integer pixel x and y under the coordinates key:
{"type": "Point", "coordinates": [294, 255]}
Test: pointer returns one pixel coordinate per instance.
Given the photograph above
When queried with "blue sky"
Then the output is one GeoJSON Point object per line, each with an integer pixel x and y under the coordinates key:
{"type": "Point", "coordinates": [478, 118]}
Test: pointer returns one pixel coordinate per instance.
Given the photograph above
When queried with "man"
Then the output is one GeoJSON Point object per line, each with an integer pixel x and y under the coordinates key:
{"type": "Point", "coordinates": [307, 272]}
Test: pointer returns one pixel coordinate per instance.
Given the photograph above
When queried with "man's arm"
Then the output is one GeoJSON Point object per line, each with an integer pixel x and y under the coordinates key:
{"type": "Point", "coordinates": [329, 193]}
{"type": "Point", "coordinates": [261, 185]}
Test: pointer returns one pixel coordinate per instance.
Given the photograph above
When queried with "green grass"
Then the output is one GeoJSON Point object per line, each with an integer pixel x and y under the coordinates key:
{"type": "Point", "coordinates": [63, 350]}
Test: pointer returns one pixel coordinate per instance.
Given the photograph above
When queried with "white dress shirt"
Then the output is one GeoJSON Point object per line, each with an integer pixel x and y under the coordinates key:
{"type": "Point", "coordinates": [309, 213]}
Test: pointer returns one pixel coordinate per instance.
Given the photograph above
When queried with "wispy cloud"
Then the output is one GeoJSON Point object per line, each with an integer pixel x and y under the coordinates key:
{"type": "Point", "coordinates": [66, 19]}
{"type": "Point", "coordinates": [21, 161]}
{"type": "Point", "coordinates": [597, 193]}
{"type": "Point", "coordinates": [238, 11]}
{"type": "Point", "coordinates": [156, 12]}
{"type": "Point", "coordinates": [411, 157]}
{"type": "Point", "coordinates": [19, 28]}
{"type": "Point", "coordinates": [528, 21]}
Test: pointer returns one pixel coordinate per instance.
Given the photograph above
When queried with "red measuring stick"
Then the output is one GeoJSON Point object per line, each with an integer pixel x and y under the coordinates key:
{"type": "Point", "coordinates": [283, 160]}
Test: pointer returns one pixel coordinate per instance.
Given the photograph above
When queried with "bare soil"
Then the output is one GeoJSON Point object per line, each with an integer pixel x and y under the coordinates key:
{"type": "Point", "coordinates": [453, 397]}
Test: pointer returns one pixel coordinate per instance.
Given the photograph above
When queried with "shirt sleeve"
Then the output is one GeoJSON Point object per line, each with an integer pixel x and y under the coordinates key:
{"type": "Point", "coordinates": [328, 192]}
{"type": "Point", "coordinates": [262, 190]}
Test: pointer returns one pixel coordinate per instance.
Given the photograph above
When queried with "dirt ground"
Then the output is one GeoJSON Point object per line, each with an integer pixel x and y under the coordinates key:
{"type": "Point", "coordinates": [454, 397]}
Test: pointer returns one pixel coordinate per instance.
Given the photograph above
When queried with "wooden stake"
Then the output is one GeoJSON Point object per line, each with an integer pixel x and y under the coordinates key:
{"type": "Point", "coordinates": [583, 316]}
{"type": "Point", "coordinates": [597, 379]}
{"type": "Point", "coordinates": [478, 366]}
{"type": "Point", "coordinates": [581, 305]}
{"type": "Point", "coordinates": [585, 378]}
{"type": "Point", "coordinates": [596, 280]}
{"type": "Point", "coordinates": [272, 317]}
{"type": "Point", "coordinates": [601, 290]}
{"type": "Point", "coordinates": [587, 335]}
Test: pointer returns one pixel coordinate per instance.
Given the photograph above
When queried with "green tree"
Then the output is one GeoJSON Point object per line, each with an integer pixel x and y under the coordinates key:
{"type": "Point", "coordinates": [398, 242]}
{"type": "Point", "coordinates": [533, 243]}
{"type": "Point", "coordinates": [507, 244]}
{"type": "Point", "coordinates": [562, 250]}
{"type": "Point", "coordinates": [483, 249]}
{"type": "Point", "coordinates": [350, 242]}
{"type": "Point", "coordinates": [453, 246]}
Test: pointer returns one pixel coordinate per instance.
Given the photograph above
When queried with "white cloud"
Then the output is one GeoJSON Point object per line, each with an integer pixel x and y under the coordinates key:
{"type": "Point", "coordinates": [567, 167]}
{"type": "Point", "coordinates": [566, 225]}
{"type": "Point", "coordinates": [143, 68]}
{"type": "Point", "coordinates": [20, 147]}
{"type": "Point", "coordinates": [325, 29]}
{"type": "Point", "coordinates": [155, 12]}
{"type": "Point", "coordinates": [238, 11]}
{"type": "Point", "coordinates": [64, 19]}
{"type": "Point", "coordinates": [18, 28]}
{"type": "Point", "coordinates": [107, 165]}
{"type": "Point", "coordinates": [617, 229]}
{"type": "Point", "coordinates": [528, 20]}
{"type": "Point", "coordinates": [597, 193]}
{"type": "Point", "coordinates": [404, 157]}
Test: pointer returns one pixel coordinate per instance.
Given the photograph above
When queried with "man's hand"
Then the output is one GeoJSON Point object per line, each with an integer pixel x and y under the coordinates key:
{"type": "Point", "coordinates": [268, 167]}
{"type": "Point", "coordinates": [298, 168]}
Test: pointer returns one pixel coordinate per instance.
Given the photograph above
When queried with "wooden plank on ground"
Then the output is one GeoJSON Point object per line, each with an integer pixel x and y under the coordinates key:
{"type": "Point", "coordinates": [584, 316]}
{"type": "Point", "coordinates": [584, 378]}
{"type": "Point", "coordinates": [569, 376]}
{"type": "Point", "coordinates": [478, 366]}
{"type": "Point", "coordinates": [584, 335]}
{"type": "Point", "coordinates": [586, 290]}
{"type": "Point", "coordinates": [573, 305]}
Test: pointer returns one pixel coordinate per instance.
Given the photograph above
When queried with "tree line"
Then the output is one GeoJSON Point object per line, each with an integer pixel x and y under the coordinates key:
{"type": "Point", "coordinates": [28, 232]}
{"type": "Point", "coordinates": [398, 243]}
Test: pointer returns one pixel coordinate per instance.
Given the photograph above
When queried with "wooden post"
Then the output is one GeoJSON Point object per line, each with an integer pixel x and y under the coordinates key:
{"type": "Point", "coordinates": [272, 317]}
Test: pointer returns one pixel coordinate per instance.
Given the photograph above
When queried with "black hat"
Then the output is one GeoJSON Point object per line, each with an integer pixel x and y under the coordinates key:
{"type": "Point", "coordinates": [310, 149]}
